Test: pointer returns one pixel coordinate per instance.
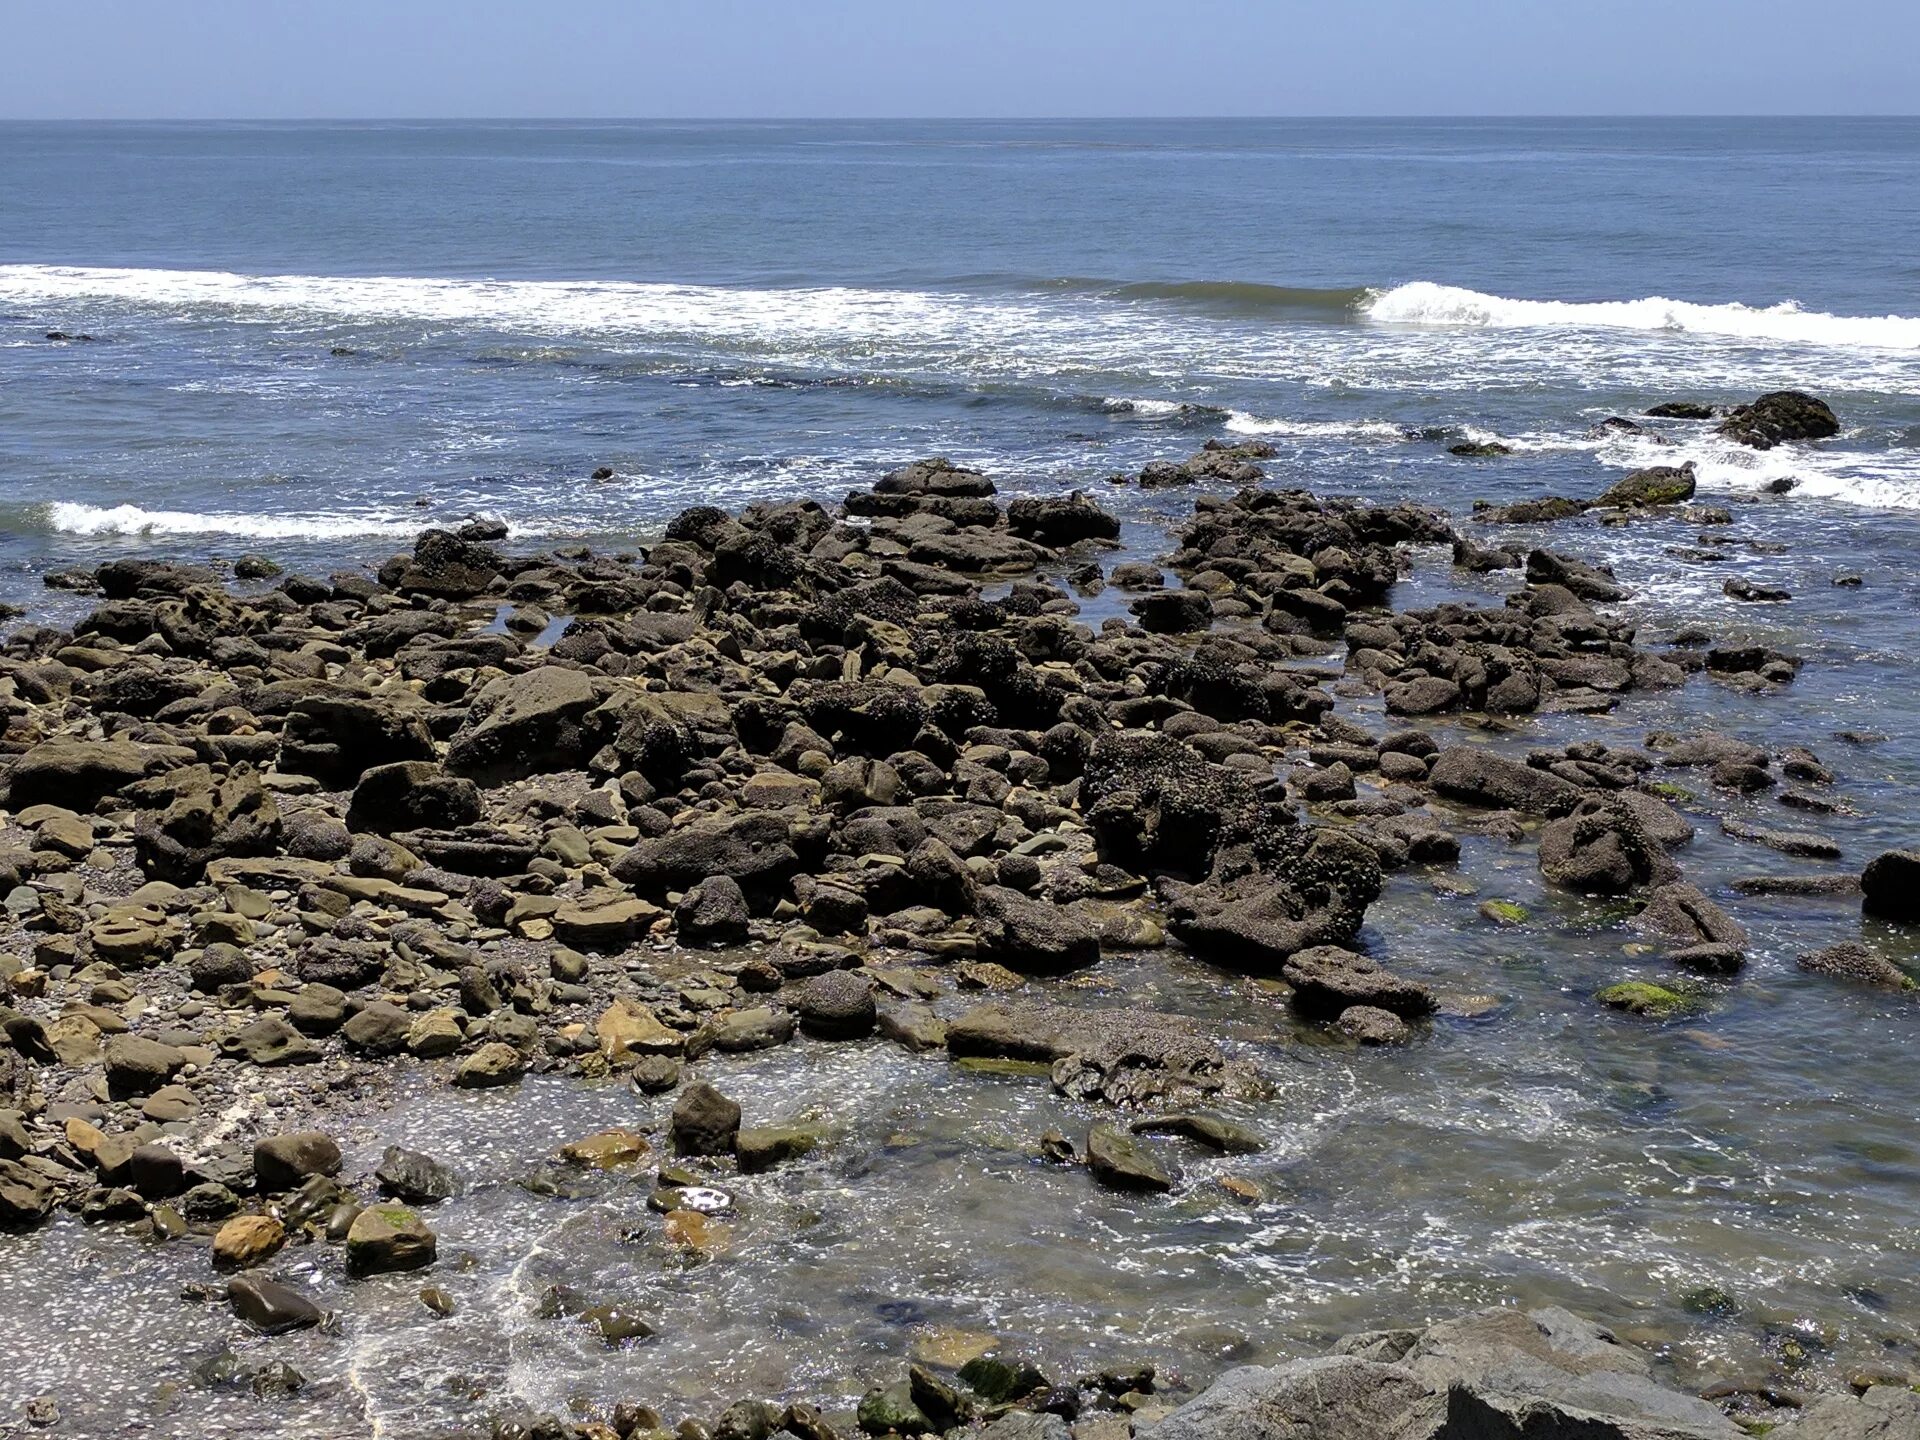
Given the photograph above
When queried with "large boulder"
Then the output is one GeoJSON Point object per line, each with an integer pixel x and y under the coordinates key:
{"type": "Point", "coordinates": [1498, 1375]}
{"type": "Point", "coordinates": [751, 848]}
{"type": "Point", "coordinates": [1890, 886]}
{"type": "Point", "coordinates": [1656, 485]}
{"type": "Point", "coordinates": [1314, 889]}
{"type": "Point", "coordinates": [1778, 417]}
{"type": "Point", "coordinates": [1327, 980]}
{"type": "Point", "coordinates": [444, 566]}
{"type": "Point", "coordinates": [233, 818]}
{"type": "Point", "coordinates": [1033, 936]}
{"type": "Point", "coordinates": [1060, 521]}
{"type": "Point", "coordinates": [336, 738]}
{"type": "Point", "coordinates": [1479, 777]}
{"type": "Point", "coordinates": [78, 774]}
{"type": "Point", "coordinates": [527, 724]}
{"type": "Point", "coordinates": [412, 795]}
{"type": "Point", "coordinates": [1603, 849]}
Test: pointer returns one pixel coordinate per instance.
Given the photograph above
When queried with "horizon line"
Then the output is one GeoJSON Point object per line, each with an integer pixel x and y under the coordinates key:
{"type": "Point", "coordinates": [940, 119]}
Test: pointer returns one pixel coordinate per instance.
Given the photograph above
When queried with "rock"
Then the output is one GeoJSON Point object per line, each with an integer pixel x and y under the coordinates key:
{"type": "Point", "coordinates": [1472, 774]}
{"type": "Point", "coordinates": [378, 1029]}
{"type": "Point", "coordinates": [1680, 410]}
{"type": "Point", "coordinates": [752, 848]}
{"type": "Point", "coordinates": [246, 1240]}
{"type": "Point", "coordinates": [758, 1027]}
{"type": "Point", "coordinates": [286, 1162]}
{"type": "Point", "coordinates": [1680, 912]}
{"type": "Point", "coordinates": [1852, 960]}
{"type": "Point", "coordinates": [714, 912]}
{"type": "Point", "coordinates": [442, 565]}
{"type": "Point", "coordinates": [492, 1065]}
{"type": "Point", "coordinates": [1890, 886]}
{"type": "Point", "coordinates": [27, 1197]}
{"type": "Point", "coordinates": [1327, 980]}
{"type": "Point", "coordinates": [270, 1308]}
{"type": "Point", "coordinates": [1603, 849]}
{"type": "Point", "coordinates": [1779, 417]}
{"type": "Point", "coordinates": [270, 1042]}
{"type": "Point", "coordinates": [607, 1149]}
{"type": "Point", "coordinates": [1027, 1425]}
{"type": "Point", "coordinates": [1031, 936]}
{"type": "Point", "coordinates": [78, 774]}
{"type": "Point", "coordinates": [889, 1410]}
{"type": "Point", "coordinates": [1657, 485]}
{"type": "Point", "coordinates": [1370, 1025]}
{"type": "Point", "coordinates": [1497, 1375]}
{"type": "Point", "coordinates": [527, 724]}
{"type": "Point", "coordinates": [337, 738]}
{"type": "Point", "coordinates": [704, 1122]}
{"type": "Point", "coordinates": [1059, 521]}
{"type": "Point", "coordinates": [1335, 1397]}
{"type": "Point", "coordinates": [235, 817]}
{"type": "Point", "coordinates": [764, 1147]}
{"type": "Point", "coordinates": [388, 1237]}
{"type": "Point", "coordinates": [1209, 1130]}
{"type": "Point", "coordinates": [838, 1005]}
{"type": "Point", "coordinates": [1120, 1162]}
{"type": "Point", "coordinates": [627, 1029]}
{"type": "Point", "coordinates": [1638, 997]}
{"type": "Point", "coordinates": [1883, 1412]}
{"type": "Point", "coordinates": [137, 1066]}
{"type": "Point", "coordinates": [1173, 612]}
{"type": "Point", "coordinates": [412, 795]}
{"type": "Point", "coordinates": [413, 1177]}
{"type": "Point", "coordinates": [610, 923]}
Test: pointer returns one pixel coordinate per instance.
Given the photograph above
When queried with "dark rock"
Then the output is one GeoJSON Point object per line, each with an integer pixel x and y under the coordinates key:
{"type": "Point", "coordinates": [838, 1005]}
{"type": "Point", "coordinates": [714, 912]}
{"type": "Point", "coordinates": [1327, 981]}
{"type": "Point", "coordinates": [1120, 1162]}
{"type": "Point", "coordinates": [704, 1121]}
{"type": "Point", "coordinates": [269, 1307]}
{"type": "Point", "coordinates": [413, 1177]}
{"type": "Point", "coordinates": [1852, 960]}
{"type": "Point", "coordinates": [410, 795]}
{"type": "Point", "coordinates": [1657, 485]}
{"type": "Point", "coordinates": [1031, 936]}
{"type": "Point", "coordinates": [286, 1162]}
{"type": "Point", "coordinates": [1779, 417]}
{"type": "Point", "coordinates": [1890, 886]}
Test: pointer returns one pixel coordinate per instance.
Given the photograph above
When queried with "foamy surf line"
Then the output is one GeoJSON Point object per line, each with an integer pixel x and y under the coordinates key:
{"type": "Point", "coordinates": [69, 517]}
{"type": "Point", "coordinates": [1424, 303]}
{"type": "Point", "coordinates": [541, 306]}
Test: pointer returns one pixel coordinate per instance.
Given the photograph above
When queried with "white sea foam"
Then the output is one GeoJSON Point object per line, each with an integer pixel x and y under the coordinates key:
{"type": "Point", "coordinates": [73, 518]}
{"type": "Point", "coordinates": [1424, 303]}
{"type": "Point", "coordinates": [1241, 423]}
{"type": "Point", "coordinates": [1150, 409]}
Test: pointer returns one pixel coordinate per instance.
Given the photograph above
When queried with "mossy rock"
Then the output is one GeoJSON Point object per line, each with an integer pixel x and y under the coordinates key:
{"type": "Point", "coordinates": [1504, 912]}
{"type": "Point", "coordinates": [1709, 1300]}
{"type": "Point", "coordinates": [1638, 997]}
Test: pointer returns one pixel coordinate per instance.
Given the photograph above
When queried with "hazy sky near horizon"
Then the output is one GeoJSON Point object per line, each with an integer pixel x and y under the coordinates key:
{"type": "Point", "coordinates": [132, 59]}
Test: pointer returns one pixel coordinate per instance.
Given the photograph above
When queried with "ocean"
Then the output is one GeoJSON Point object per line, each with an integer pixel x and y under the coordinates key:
{"type": "Point", "coordinates": [309, 341]}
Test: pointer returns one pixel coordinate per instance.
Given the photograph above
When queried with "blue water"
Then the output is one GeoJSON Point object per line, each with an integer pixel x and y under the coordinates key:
{"type": "Point", "coordinates": [724, 310]}
{"type": "Point", "coordinates": [311, 340]}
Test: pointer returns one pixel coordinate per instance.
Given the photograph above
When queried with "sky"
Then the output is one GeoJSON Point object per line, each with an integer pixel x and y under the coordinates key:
{"type": "Point", "coordinates": [295, 59]}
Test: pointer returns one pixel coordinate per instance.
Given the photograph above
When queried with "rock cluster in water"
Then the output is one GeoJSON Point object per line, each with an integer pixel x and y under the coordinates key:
{"type": "Point", "coordinates": [341, 824]}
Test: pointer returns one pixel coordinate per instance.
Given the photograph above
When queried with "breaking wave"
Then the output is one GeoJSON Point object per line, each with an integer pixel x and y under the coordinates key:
{"type": "Point", "coordinates": [1425, 303]}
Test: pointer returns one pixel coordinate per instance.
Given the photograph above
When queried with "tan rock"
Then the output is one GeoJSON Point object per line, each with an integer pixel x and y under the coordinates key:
{"type": "Point", "coordinates": [246, 1240]}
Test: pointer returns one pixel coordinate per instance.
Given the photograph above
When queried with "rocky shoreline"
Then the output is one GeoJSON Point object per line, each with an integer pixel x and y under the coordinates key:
{"type": "Point", "coordinates": [790, 776]}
